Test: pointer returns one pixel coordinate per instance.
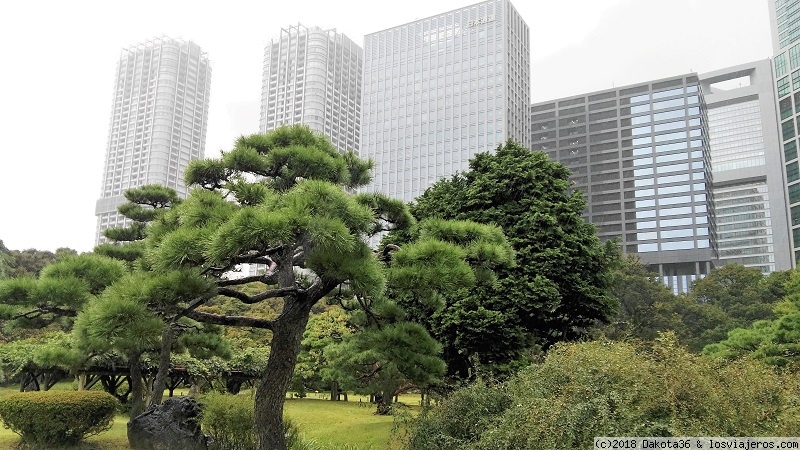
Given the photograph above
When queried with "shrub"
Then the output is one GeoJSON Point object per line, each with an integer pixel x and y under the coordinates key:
{"type": "Point", "coordinates": [228, 422]}
{"type": "Point", "coordinates": [57, 417]}
{"type": "Point", "coordinates": [593, 389]}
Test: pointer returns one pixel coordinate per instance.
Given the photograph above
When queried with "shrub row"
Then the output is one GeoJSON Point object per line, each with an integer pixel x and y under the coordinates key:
{"type": "Point", "coordinates": [614, 389]}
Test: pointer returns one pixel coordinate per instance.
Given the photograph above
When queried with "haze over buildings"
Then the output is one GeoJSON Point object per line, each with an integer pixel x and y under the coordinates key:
{"type": "Point", "coordinates": [158, 122]}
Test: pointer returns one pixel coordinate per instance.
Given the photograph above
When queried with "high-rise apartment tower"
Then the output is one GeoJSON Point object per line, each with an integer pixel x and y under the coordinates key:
{"type": "Point", "coordinates": [158, 122]}
{"type": "Point", "coordinates": [313, 76]}
{"type": "Point", "coordinates": [441, 89]}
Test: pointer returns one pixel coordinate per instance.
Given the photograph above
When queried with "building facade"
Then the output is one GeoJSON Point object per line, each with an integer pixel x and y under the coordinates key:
{"type": "Point", "coordinates": [746, 164]}
{"type": "Point", "coordinates": [158, 122]}
{"type": "Point", "coordinates": [640, 155]}
{"type": "Point", "coordinates": [785, 25]}
{"type": "Point", "coordinates": [441, 89]}
{"type": "Point", "coordinates": [313, 76]}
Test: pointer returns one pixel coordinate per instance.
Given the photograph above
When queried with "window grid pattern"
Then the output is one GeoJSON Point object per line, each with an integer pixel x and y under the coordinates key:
{"type": "Point", "coordinates": [439, 90]}
{"type": "Point", "coordinates": [640, 157]}
{"type": "Point", "coordinates": [158, 122]}
{"type": "Point", "coordinates": [313, 76]}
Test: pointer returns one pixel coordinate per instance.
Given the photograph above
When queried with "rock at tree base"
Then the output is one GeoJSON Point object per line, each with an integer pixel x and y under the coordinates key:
{"type": "Point", "coordinates": [173, 424]}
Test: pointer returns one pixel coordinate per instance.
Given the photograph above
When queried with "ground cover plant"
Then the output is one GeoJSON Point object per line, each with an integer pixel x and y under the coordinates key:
{"type": "Point", "coordinates": [603, 388]}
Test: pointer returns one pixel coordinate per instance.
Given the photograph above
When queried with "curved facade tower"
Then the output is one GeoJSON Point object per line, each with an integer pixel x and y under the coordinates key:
{"type": "Point", "coordinates": [313, 77]}
{"type": "Point", "coordinates": [158, 122]}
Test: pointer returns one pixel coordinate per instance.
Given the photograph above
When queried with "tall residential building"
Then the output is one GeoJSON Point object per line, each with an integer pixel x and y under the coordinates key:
{"type": "Point", "coordinates": [749, 198]}
{"type": "Point", "coordinates": [785, 21]}
{"type": "Point", "coordinates": [158, 122]}
{"type": "Point", "coordinates": [640, 155]}
{"type": "Point", "coordinates": [313, 76]}
{"type": "Point", "coordinates": [441, 89]}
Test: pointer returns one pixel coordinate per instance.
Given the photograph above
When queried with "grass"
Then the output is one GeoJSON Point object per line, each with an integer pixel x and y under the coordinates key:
{"type": "Point", "coordinates": [337, 425]}
{"type": "Point", "coordinates": [328, 425]}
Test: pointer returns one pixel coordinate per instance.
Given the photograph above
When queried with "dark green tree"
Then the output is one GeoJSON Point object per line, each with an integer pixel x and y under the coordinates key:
{"type": "Point", "coordinates": [63, 289]}
{"type": "Point", "coordinates": [560, 286]}
{"type": "Point", "coordinates": [389, 354]}
{"type": "Point", "coordinates": [278, 200]}
{"type": "Point", "coordinates": [144, 205]}
{"type": "Point", "coordinates": [645, 304]}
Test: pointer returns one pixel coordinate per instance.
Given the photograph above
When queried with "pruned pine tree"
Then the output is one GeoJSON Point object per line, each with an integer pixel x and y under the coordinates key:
{"type": "Point", "coordinates": [144, 204]}
{"type": "Point", "coordinates": [280, 200]}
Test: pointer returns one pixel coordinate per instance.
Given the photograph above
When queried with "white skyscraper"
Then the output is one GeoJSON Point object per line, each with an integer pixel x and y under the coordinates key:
{"type": "Point", "coordinates": [158, 122]}
{"type": "Point", "coordinates": [439, 90]}
{"type": "Point", "coordinates": [313, 76]}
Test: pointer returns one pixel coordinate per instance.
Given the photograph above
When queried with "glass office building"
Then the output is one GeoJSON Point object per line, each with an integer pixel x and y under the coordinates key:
{"type": "Point", "coordinates": [785, 21]}
{"type": "Point", "coordinates": [158, 122]}
{"type": "Point", "coordinates": [441, 89]}
{"type": "Point", "coordinates": [640, 155]}
{"type": "Point", "coordinates": [749, 194]}
{"type": "Point", "coordinates": [313, 76]}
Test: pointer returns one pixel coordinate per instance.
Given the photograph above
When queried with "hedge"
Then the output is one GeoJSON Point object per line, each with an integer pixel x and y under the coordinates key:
{"type": "Point", "coordinates": [57, 417]}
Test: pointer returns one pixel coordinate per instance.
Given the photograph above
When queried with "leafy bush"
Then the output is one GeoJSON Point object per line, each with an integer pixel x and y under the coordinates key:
{"type": "Point", "coordinates": [57, 417]}
{"type": "Point", "coordinates": [613, 389]}
{"type": "Point", "coordinates": [228, 422]}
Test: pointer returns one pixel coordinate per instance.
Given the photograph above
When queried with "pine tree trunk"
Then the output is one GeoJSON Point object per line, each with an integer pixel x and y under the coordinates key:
{"type": "Point", "coordinates": [137, 387]}
{"type": "Point", "coordinates": [271, 392]}
{"type": "Point", "coordinates": [163, 366]}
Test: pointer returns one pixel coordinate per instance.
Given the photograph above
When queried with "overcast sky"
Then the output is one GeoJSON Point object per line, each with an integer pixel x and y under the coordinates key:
{"type": "Point", "coordinates": [59, 57]}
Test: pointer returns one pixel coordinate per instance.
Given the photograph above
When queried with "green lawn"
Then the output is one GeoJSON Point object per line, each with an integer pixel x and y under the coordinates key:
{"type": "Point", "coordinates": [329, 425]}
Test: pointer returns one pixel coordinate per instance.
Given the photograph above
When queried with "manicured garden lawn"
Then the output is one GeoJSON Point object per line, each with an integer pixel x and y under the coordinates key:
{"type": "Point", "coordinates": [330, 425]}
{"type": "Point", "coordinates": [342, 424]}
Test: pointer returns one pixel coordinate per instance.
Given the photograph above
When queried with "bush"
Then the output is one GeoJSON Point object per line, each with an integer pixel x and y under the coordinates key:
{"type": "Point", "coordinates": [593, 389]}
{"type": "Point", "coordinates": [57, 417]}
{"type": "Point", "coordinates": [228, 422]}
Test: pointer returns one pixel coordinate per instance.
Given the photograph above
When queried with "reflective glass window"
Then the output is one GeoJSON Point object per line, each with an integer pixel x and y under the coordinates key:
{"type": "Point", "coordinates": [645, 203]}
{"type": "Point", "coordinates": [674, 200]}
{"type": "Point", "coordinates": [682, 222]}
{"type": "Point", "coordinates": [673, 179]}
{"type": "Point", "coordinates": [686, 232]}
{"type": "Point", "coordinates": [643, 171]}
{"type": "Point", "coordinates": [790, 150]}
{"type": "Point", "coordinates": [669, 126]}
{"type": "Point", "coordinates": [643, 182]}
{"type": "Point", "coordinates": [646, 236]}
{"type": "Point", "coordinates": [643, 248]}
{"type": "Point", "coordinates": [668, 93]}
{"type": "Point", "coordinates": [647, 214]}
{"type": "Point", "coordinates": [670, 136]}
{"type": "Point", "coordinates": [677, 245]}
{"type": "Point", "coordinates": [668, 103]}
{"type": "Point", "coordinates": [675, 211]}
{"type": "Point", "coordinates": [644, 193]}
{"type": "Point", "coordinates": [673, 168]}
